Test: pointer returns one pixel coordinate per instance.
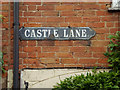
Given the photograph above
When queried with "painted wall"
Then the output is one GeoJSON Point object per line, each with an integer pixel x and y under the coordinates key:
{"type": "Point", "coordinates": [46, 78]}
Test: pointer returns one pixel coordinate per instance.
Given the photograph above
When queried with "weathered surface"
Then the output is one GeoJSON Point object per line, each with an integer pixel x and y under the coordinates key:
{"type": "Point", "coordinates": [56, 33]}
{"type": "Point", "coordinates": [47, 78]}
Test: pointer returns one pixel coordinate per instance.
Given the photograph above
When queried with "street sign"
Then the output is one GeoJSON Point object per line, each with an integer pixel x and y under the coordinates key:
{"type": "Point", "coordinates": [56, 33]}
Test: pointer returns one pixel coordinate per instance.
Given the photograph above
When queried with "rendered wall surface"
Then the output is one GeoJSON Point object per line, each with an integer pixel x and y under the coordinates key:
{"type": "Point", "coordinates": [46, 78]}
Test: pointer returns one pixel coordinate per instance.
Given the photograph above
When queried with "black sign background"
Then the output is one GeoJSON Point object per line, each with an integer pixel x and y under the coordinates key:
{"type": "Point", "coordinates": [58, 33]}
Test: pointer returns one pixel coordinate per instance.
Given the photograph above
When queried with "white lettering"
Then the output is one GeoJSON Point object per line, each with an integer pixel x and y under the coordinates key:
{"type": "Point", "coordinates": [77, 33]}
{"type": "Point", "coordinates": [65, 35]}
{"type": "Point", "coordinates": [27, 33]}
{"type": "Point", "coordinates": [56, 33]}
{"type": "Point", "coordinates": [71, 33]}
{"type": "Point", "coordinates": [84, 33]}
{"type": "Point", "coordinates": [49, 33]}
{"type": "Point", "coordinates": [33, 33]}
{"type": "Point", "coordinates": [44, 32]}
{"type": "Point", "coordinates": [39, 33]}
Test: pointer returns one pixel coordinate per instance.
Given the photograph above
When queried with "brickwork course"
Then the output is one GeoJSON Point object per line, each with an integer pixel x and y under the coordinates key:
{"type": "Point", "coordinates": [69, 53]}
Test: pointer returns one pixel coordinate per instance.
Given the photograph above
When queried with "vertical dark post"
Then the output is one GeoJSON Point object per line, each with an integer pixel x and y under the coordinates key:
{"type": "Point", "coordinates": [16, 45]}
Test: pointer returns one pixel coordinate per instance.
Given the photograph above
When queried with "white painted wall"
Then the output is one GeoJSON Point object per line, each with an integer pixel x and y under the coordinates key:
{"type": "Point", "coordinates": [47, 78]}
{"type": "Point", "coordinates": [115, 3]}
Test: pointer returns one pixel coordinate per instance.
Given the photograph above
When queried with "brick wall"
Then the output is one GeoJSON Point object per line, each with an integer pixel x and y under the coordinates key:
{"type": "Point", "coordinates": [6, 41]}
{"type": "Point", "coordinates": [50, 54]}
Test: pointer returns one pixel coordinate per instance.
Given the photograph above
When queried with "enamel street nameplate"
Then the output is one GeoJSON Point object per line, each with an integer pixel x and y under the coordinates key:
{"type": "Point", "coordinates": [59, 33]}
